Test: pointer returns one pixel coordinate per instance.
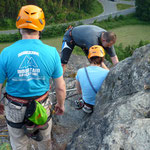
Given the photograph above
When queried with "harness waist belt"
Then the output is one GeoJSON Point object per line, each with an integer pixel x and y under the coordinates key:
{"type": "Point", "coordinates": [15, 125]}
{"type": "Point", "coordinates": [23, 101]}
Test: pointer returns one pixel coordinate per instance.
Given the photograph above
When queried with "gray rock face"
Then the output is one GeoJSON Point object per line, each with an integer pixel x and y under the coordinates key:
{"type": "Point", "coordinates": [118, 125]}
{"type": "Point", "coordinates": [120, 120]}
{"type": "Point", "coordinates": [129, 76]}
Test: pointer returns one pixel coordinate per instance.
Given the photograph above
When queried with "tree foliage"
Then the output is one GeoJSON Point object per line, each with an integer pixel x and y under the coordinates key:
{"type": "Point", "coordinates": [53, 9]}
{"type": "Point", "coordinates": [143, 9]}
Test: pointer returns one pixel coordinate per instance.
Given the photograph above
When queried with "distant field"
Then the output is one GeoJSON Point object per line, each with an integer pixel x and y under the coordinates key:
{"type": "Point", "coordinates": [132, 34]}
{"type": "Point", "coordinates": [56, 42]}
{"type": "Point", "coordinates": [127, 35]}
{"type": "Point", "coordinates": [123, 6]}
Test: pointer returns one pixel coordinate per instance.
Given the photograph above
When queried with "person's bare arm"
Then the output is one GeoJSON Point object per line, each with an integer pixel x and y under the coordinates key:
{"type": "Point", "coordinates": [78, 87]}
{"type": "Point", "coordinates": [114, 60]}
{"type": "Point", "coordinates": [64, 67]}
{"type": "Point", "coordinates": [60, 89]}
{"type": "Point", "coordinates": [104, 66]}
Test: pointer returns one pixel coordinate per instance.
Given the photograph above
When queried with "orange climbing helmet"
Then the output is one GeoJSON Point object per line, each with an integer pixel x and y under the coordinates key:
{"type": "Point", "coordinates": [31, 17]}
{"type": "Point", "coordinates": [96, 50]}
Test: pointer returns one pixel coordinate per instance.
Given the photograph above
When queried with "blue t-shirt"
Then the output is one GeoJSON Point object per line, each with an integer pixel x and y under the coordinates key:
{"type": "Point", "coordinates": [97, 75]}
{"type": "Point", "coordinates": [28, 65]}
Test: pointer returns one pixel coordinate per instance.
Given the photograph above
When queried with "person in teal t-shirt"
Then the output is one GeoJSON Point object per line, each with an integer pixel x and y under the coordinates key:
{"type": "Point", "coordinates": [28, 65]}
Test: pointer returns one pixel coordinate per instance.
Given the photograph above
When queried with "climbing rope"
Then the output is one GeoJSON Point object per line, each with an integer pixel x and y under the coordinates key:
{"type": "Point", "coordinates": [69, 90]}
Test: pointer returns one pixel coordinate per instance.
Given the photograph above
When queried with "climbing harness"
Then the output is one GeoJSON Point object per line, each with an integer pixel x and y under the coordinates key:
{"type": "Point", "coordinates": [32, 130]}
{"type": "Point", "coordinates": [36, 117]}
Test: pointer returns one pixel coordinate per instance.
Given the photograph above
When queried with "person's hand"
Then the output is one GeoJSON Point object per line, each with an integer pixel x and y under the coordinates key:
{"type": "Point", "coordinates": [59, 110]}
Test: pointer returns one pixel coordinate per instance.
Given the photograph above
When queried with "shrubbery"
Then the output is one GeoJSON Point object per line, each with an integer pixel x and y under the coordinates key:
{"type": "Point", "coordinates": [58, 30]}
{"type": "Point", "coordinates": [7, 23]}
{"type": "Point", "coordinates": [56, 11]}
{"type": "Point", "coordinates": [143, 9]}
{"type": "Point", "coordinates": [49, 32]}
{"type": "Point", "coordinates": [119, 21]}
{"type": "Point", "coordinates": [123, 53]}
{"type": "Point", "coordinates": [73, 16]}
{"type": "Point", "coordinates": [55, 30]}
{"type": "Point", "coordinates": [9, 37]}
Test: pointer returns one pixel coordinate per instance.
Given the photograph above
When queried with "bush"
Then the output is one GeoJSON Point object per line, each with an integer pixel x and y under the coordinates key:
{"type": "Point", "coordinates": [119, 21]}
{"type": "Point", "coordinates": [61, 17]}
{"type": "Point", "coordinates": [9, 37]}
{"type": "Point", "coordinates": [123, 53]}
{"type": "Point", "coordinates": [7, 23]}
{"type": "Point", "coordinates": [143, 9]}
{"type": "Point", "coordinates": [73, 16]}
{"type": "Point", "coordinates": [58, 30]}
{"type": "Point", "coordinates": [55, 30]}
{"type": "Point", "coordinates": [51, 31]}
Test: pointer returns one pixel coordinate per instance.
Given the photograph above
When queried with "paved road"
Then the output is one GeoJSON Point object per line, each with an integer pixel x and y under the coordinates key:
{"type": "Point", "coordinates": [109, 9]}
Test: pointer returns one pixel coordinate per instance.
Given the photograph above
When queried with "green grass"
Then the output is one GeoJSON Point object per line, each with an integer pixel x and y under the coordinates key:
{"type": "Point", "coordinates": [132, 34]}
{"type": "Point", "coordinates": [98, 9]}
{"type": "Point", "coordinates": [56, 42]}
{"type": "Point", "coordinates": [120, 21]}
{"type": "Point", "coordinates": [123, 6]}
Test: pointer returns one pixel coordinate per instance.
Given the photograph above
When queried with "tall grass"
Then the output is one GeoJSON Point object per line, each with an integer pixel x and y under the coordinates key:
{"type": "Point", "coordinates": [123, 6]}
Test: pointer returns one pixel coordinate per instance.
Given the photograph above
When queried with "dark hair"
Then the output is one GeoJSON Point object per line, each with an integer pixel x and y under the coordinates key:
{"type": "Point", "coordinates": [29, 31]}
{"type": "Point", "coordinates": [96, 60]}
{"type": "Point", "coordinates": [109, 36]}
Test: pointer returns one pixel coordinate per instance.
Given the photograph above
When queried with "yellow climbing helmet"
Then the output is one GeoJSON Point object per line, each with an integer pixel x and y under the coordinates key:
{"type": "Point", "coordinates": [96, 50]}
{"type": "Point", "coordinates": [31, 17]}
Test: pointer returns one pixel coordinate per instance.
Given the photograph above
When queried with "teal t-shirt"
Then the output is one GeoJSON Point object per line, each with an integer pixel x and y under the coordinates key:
{"type": "Point", "coordinates": [28, 65]}
{"type": "Point", "coordinates": [97, 75]}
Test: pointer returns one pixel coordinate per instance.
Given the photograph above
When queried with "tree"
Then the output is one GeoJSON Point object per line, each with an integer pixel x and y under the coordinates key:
{"type": "Point", "coordinates": [60, 3]}
{"type": "Point", "coordinates": [143, 9]}
{"type": "Point", "coordinates": [10, 9]}
{"type": "Point", "coordinates": [2, 8]}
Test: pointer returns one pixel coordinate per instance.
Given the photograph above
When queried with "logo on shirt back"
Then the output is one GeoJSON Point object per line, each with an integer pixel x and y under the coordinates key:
{"type": "Point", "coordinates": [28, 62]}
{"type": "Point", "coordinates": [28, 68]}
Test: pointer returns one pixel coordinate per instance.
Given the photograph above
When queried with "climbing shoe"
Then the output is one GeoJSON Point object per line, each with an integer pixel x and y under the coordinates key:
{"type": "Point", "coordinates": [79, 103]}
{"type": "Point", "coordinates": [87, 109]}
